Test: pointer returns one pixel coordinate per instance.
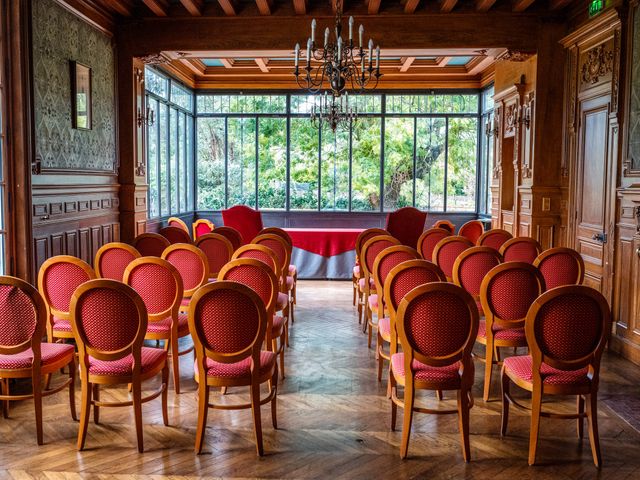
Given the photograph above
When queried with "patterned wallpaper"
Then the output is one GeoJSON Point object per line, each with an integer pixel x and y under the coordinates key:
{"type": "Point", "coordinates": [59, 36]}
{"type": "Point", "coordinates": [634, 107]}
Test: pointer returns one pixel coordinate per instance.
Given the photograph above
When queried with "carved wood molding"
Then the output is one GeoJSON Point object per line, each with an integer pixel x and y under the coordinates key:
{"type": "Point", "coordinates": [598, 63]}
{"type": "Point", "coordinates": [514, 56]}
{"type": "Point", "coordinates": [141, 163]}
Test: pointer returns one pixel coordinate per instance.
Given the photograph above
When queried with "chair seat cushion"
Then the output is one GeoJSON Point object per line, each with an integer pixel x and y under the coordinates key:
{"type": "Point", "coordinates": [509, 334]}
{"type": "Point", "coordinates": [521, 366]}
{"type": "Point", "coordinates": [278, 324]}
{"type": "Point", "coordinates": [289, 282]}
{"type": "Point", "coordinates": [373, 302]}
{"type": "Point", "coordinates": [384, 327]}
{"type": "Point", "coordinates": [444, 377]}
{"type": "Point", "coordinates": [163, 326]}
{"type": "Point", "coordinates": [356, 271]}
{"type": "Point", "coordinates": [49, 352]}
{"type": "Point", "coordinates": [293, 270]}
{"type": "Point", "coordinates": [372, 283]}
{"type": "Point", "coordinates": [185, 302]}
{"type": "Point", "coordinates": [61, 325]}
{"type": "Point", "coordinates": [240, 369]}
{"type": "Point", "coordinates": [282, 301]}
{"type": "Point", "coordinates": [150, 359]}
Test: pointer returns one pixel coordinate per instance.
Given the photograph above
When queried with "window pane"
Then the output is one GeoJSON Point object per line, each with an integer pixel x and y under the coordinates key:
{"type": "Point", "coordinates": [398, 163]}
{"type": "Point", "coordinates": [241, 165]}
{"type": "Point", "coordinates": [304, 165]}
{"type": "Point", "coordinates": [365, 193]}
{"type": "Point", "coordinates": [272, 162]}
{"type": "Point", "coordinates": [152, 162]}
{"type": "Point", "coordinates": [430, 159]}
{"type": "Point", "coordinates": [335, 169]}
{"type": "Point", "coordinates": [445, 103]}
{"type": "Point", "coordinates": [210, 157]}
{"type": "Point", "coordinates": [182, 162]}
{"type": "Point", "coordinates": [461, 174]}
{"type": "Point", "coordinates": [182, 97]}
{"type": "Point", "coordinates": [156, 83]}
{"type": "Point", "coordinates": [242, 103]}
{"type": "Point", "coordinates": [163, 125]}
{"type": "Point", "coordinates": [190, 185]}
{"type": "Point", "coordinates": [173, 159]}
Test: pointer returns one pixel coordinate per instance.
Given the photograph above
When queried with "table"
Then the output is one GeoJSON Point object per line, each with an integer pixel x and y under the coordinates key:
{"type": "Point", "coordinates": [324, 253]}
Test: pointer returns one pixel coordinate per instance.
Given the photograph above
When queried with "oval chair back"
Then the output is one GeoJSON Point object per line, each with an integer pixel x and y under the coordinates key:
{"type": "Point", "coordinates": [366, 235]}
{"type": "Point", "coordinates": [406, 224]}
{"type": "Point", "coordinates": [150, 244]}
{"type": "Point", "coordinates": [112, 260]}
{"type": "Point", "coordinates": [258, 252]}
{"type": "Point", "coordinates": [470, 268]}
{"type": "Point", "coordinates": [560, 266]}
{"type": "Point", "coordinates": [58, 278]}
{"type": "Point", "coordinates": [282, 250]}
{"type": "Point", "coordinates": [191, 263]}
{"type": "Point", "coordinates": [23, 318]}
{"type": "Point", "coordinates": [277, 231]}
{"type": "Point", "coordinates": [428, 241]}
{"type": "Point", "coordinates": [200, 227]}
{"type": "Point", "coordinates": [231, 234]}
{"type": "Point", "coordinates": [494, 238]}
{"type": "Point", "coordinates": [246, 220]}
{"type": "Point", "coordinates": [218, 250]}
{"type": "Point", "coordinates": [178, 223]}
{"type": "Point", "coordinates": [445, 225]}
{"type": "Point", "coordinates": [520, 249]}
{"type": "Point", "coordinates": [372, 248]}
{"type": "Point", "coordinates": [175, 235]}
{"type": "Point", "coordinates": [447, 250]}
{"type": "Point", "coordinates": [472, 230]}
{"type": "Point", "coordinates": [386, 260]}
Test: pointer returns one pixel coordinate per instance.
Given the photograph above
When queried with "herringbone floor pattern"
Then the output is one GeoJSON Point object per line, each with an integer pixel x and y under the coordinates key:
{"type": "Point", "coordinates": [333, 419]}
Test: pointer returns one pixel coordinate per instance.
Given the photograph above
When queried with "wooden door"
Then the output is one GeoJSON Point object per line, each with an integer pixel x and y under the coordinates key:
{"type": "Point", "coordinates": [593, 191]}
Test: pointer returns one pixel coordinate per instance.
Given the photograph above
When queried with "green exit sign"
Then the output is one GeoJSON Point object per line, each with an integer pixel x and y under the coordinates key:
{"type": "Point", "coordinates": [595, 7]}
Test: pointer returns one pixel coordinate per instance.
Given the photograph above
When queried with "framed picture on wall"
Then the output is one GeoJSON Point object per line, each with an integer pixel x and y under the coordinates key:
{"type": "Point", "coordinates": [80, 96]}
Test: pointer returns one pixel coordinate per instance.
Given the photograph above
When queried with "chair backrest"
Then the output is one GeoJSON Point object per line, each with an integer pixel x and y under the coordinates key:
{"type": "Point", "coordinates": [278, 231]}
{"type": "Point", "coordinates": [446, 252]}
{"type": "Point", "coordinates": [112, 260]}
{"type": "Point", "coordinates": [507, 292]}
{"type": "Point", "coordinates": [23, 317]}
{"type": "Point", "coordinates": [560, 266]}
{"type": "Point", "coordinates": [200, 227]}
{"type": "Point", "coordinates": [228, 322]}
{"type": "Point", "coordinates": [175, 235]}
{"type": "Point", "coordinates": [178, 223]}
{"type": "Point", "coordinates": [386, 260]}
{"type": "Point", "coordinates": [218, 250]}
{"type": "Point", "coordinates": [159, 284]}
{"type": "Point", "coordinates": [567, 328]}
{"type": "Point", "coordinates": [520, 249]}
{"type": "Point", "coordinates": [150, 244]}
{"type": "Point", "coordinates": [192, 264]}
{"type": "Point", "coordinates": [437, 325]}
{"type": "Point", "coordinates": [472, 230]}
{"type": "Point", "coordinates": [428, 240]}
{"type": "Point", "coordinates": [366, 235]}
{"type": "Point", "coordinates": [406, 224]}
{"type": "Point", "coordinates": [494, 238]}
{"type": "Point", "coordinates": [58, 278]}
{"type": "Point", "coordinates": [109, 322]}
{"type": "Point", "coordinates": [245, 220]}
{"type": "Point", "coordinates": [446, 225]}
{"type": "Point", "coordinates": [258, 252]}
{"type": "Point", "coordinates": [372, 248]}
{"type": "Point", "coordinates": [280, 247]}
{"type": "Point", "coordinates": [472, 265]}
{"type": "Point", "coordinates": [231, 234]}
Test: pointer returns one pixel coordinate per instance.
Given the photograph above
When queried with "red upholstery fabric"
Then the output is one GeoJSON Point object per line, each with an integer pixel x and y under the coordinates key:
{"type": "Point", "coordinates": [150, 359]}
{"type": "Point", "coordinates": [185, 302]}
{"type": "Point", "coordinates": [509, 334]}
{"type": "Point", "coordinates": [155, 284]}
{"type": "Point", "coordinates": [230, 234]}
{"type": "Point", "coordinates": [292, 270]}
{"type": "Point", "coordinates": [361, 283]}
{"type": "Point", "coordinates": [50, 353]}
{"type": "Point", "coordinates": [356, 271]}
{"type": "Point", "coordinates": [406, 224]}
{"type": "Point", "coordinates": [447, 256]}
{"type": "Point", "coordinates": [114, 262]}
{"type": "Point", "coordinates": [227, 321]}
{"type": "Point", "coordinates": [277, 248]}
{"type": "Point", "coordinates": [472, 231]}
{"type": "Point", "coordinates": [430, 241]}
{"type": "Point", "coordinates": [202, 229]}
{"type": "Point", "coordinates": [278, 324]}
{"type": "Point", "coordinates": [374, 249]}
{"type": "Point", "coordinates": [281, 301]}
{"type": "Point", "coordinates": [521, 367]}
{"type": "Point", "coordinates": [216, 252]}
{"type": "Point", "coordinates": [245, 220]}
{"type": "Point", "coordinates": [496, 239]}
{"type": "Point", "coordinates": [521, 252]}
{"type": "Point", "coordinates": [150, 246]}
{"type": "Point", "coordinates": [409, 279]}
{"type": "Point", "coordinates": [324, 241]}
{"type": "Point", "coordinates": [108, 318]}
{"type": "Point", "coordinates": [474, 268]}
{"type": "Point", "coordinates": [390, 261]}
{"type": "Point", "coordinates": [445, 377]}
{"type": "Point", "coordinates": [511, 293]}
{"type": "Point", "coordinates": [384, 327]}
{"type": "Point", "coordinates": [173, 223]}
{"type": "Point", "coordinates": [258, 255]}
{"type": "Point", "coordinates": [189, 265]}
{"type": "Point", "coordinates": [60, 281]}
{"type": "Point", "coordinates": [17, 316]}
{"type": "Point", "coordinates": [373, 302]}
{"type": "Point", "coordinates": [568, 327]}
{"type": "Point", "coordinates": [61, 325]}
{"type": "Point", "coordinates": [289, 282]}
{"type": "Point", "coordinates": [559, 270]}
{"type": "Point", "coordinates": [253, 277]}
{"type": "Point", "coordinates": [437, 323]}
{"type": "Point", "coordinates": [164, 326]}
{"type": "Point", "coordinates": [175, 235]}
{"type": "Point", "coordinates": [241, 369]}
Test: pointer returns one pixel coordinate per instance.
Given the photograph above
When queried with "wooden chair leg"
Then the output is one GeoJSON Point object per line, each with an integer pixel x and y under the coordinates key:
{"type": "Point", "coordinates": [286, 334]}
{"type": "Point", "coordinates": [580, 405]}
{"type": "Point", "coordinates": [96, 398]}
{"type": "Point", "coordinates": [488, 370]}
{"type": "Point", "coordinates": [203, 410]}
{"type": "Point", "coordinates": [281, 357]}
{"type": "Point", "coordinates": [380, 359]}
{"type": "Point", "coordinates": [137, 413]}
{"type": "Point", "coordinates": [47, 381]}
{"type": "Point", "coordinates": [274, 412]}
{"type": "Point", "coordinates": [505, 382]}
{"type": "Point", "coordinates": [257, 420]}
{"type": "Point", "coordinates": [175, 364]}
{"type": "Point", "coordinates": [4, 383]}
{"type": "Point", "coordinates": [72, 389]}
{"type": "Point", "coordinates": [85, 410]}
{"type": "Point", "coordinates": [394, 408]}
{"type": "Point", "coordinates": [409, 396]}
{"type": "Point", "coordinates": [463, 421]}
{"type": "Point", "coordinates": [354, 285]}
{"type": "Point", "coordinates": [37, 403]}
{"type": "Point", "coordinates": [165, 394]}
{"type": "Point", "coordinates": [291, 311]}
{"type": "Point", "coordinates": [594, 438]}
{"type": "Point", "coordinates": [439, 395]}
{"type": "Point", "coordinates": [536, 406]}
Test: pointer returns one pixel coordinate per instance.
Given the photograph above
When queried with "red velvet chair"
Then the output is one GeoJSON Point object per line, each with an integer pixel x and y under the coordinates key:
{"type": "Point", "coordinates": [23, 318]}
{"type": "Point", "coordinates": [112, 260]}
{"type": "Point", "coordinates": [506, 293]}
{"type": "Point", "coordinates": [230, 234]}
{"type": "Point", "coordinates": [150, 244]}
{"type": "Point", "coordinates": [159, 284]}
{"type": "Point", "coordinates": [437, 326]}
{"type": "Point", "coordinates": [567, 329]}
{"type": "Point", "coordinates": [245, 220]}
{"type": "Point", "coordinates": [175, 235]}
{"type": "Point", "coordinates": [494, 238]}
{"type": "Point", "coordinates": [470, 268]}
{"type": "Point", "coordinates": [109, 323]}
{"type": "Point", "coordinates": [406, 224]}
{"type": "Point", "coordinates": [560, 266]}
{"type": "Point", "coordinates": [200, 227]}
{"type": "Point", "coordinates": [472, 230]}
{"type": "Point", "coordinates": [217, 249]}
{"type": "Point", "coordinates": [446, 225]}
{"type": "Point", "coordinates": [357, 270]}
{"type": "Point", "coordinates": [520, 249]}
{"type": "Point", "coordinates": [447, 250]}
{"type": "Point", "coordinates": [228, 322]}
{"type": "Point", "coordinates": [282, 249]}
{"type": "Point", "coordinates": [428, 241]}
{"type": "Point", "coordinates": [193, 266]}
{"type": "Point", "coordinates": [178, 223]}
{"type": "Point", "coordinates": [293, 270]}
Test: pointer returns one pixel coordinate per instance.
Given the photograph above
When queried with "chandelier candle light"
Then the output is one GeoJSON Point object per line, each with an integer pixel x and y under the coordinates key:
{"type": "Point", "coordinates": [335, 111]}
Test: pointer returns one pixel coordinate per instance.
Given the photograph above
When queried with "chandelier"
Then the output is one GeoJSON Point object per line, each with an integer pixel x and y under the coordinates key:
{"type": "Point", "coordinates": [334, 111]}
{"type": "Point", "coordinates": [340, 62]}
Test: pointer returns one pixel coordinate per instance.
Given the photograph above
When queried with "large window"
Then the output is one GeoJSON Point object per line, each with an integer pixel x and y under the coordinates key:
{"type": "Point", "coordinates": [404, 149]}
{"type": "Point", "coordinates": [486, 153]}
{"type": "Point", "coordinates": [3, 232]}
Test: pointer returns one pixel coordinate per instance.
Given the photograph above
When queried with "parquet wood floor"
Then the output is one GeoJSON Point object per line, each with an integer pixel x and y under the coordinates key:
{"type": "Point", "coordinates": [334, 423]}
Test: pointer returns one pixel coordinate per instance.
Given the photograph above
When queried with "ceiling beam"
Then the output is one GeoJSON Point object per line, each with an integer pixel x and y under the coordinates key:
{"type": "Point", "coordinates": [159, 7]}
{"type": "Point", "coordinates": [447, 5]}
{"type": "Point", "coordinates": [442, 61]}
{"type": "Point", "coordinates": [374, 7]}
{"type": "Point", "coordinates": [227, 63]}
{"type": "Point", "coordinates": [300, 6]}
{"type": "Point", "coordinates": [411, 5]}
{"type": "Point", "coordinates": [484, 5]}
{"type": "Point", "coordinates": [558, 4]}
{"type": "Point", "coordinates": [406, 63]}
{"type": "Point", "coordinates": [264, 7]}
{"type": "Point", "coordinates": [229, 8]}
{"type": "Point", "coordinates": [121, 7]}
{"type": "Point", "coordinates": [194, 7]}
{"type": "Point", "coordinates": [522, 5]}
{"type": "Point", "coordinates": [262, 64]}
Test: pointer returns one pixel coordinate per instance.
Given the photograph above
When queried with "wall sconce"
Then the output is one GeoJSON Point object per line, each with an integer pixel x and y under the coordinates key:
{"type": "Point", "coordinates": [492, 128]}
{"type": "Point", "coordinates": [148, 119]}
{"type": "Point", "coordinates": [524, 116]}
